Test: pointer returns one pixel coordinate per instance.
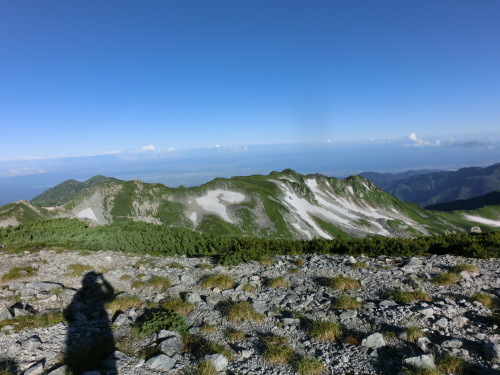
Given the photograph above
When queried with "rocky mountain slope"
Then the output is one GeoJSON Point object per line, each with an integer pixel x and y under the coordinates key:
{"type": "Point", "coordinates": [291, 314]}
{"type": "Point", "coordinates": [279, 205]}
{"type": "Point", "coordinates": [439, 187]}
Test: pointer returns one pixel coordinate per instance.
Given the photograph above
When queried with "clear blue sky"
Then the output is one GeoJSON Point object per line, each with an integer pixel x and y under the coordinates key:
{"type": "Point", "coordinates": [88, 77]}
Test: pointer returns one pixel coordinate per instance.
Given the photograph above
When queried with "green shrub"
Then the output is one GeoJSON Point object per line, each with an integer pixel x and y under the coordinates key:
{"type": "Point", "coordinates": [156, 320]}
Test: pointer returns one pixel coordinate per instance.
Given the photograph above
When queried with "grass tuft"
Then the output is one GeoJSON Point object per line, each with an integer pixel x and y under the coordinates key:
{"type": "Point", "coordinates": [266, 261]}
{"type": "Point", "coordinates": [276, 351]}
{"type": "Point", "coordinates": [175, 265]}
{"type": "Point", "coordinates": [123, 304]}
{"type": "Point", "coordinates": [343, 283]}
{"type": "Point", "coordinates": [414, 333]}
{"type": "Point", "coordinates": [464, 267]}
{"type": "Point", "coordinates": [400, 296]}
{"type": "Point", "coordinates": [76, 269]}
{"type": "Point", "coordinates": [344, 302]}
{"type": "Point", "coordinates": [323, 330]}
{"type": "Point", "coordinates": [485, 299]}
{"type": "Point", "coordinates": [208, 328]}
{"type": "Point", "coordinates": [203, 368]}
{"type": "Point", "coordinates": [451, 365]}
{"type": "Point", "coordinates": [359, 265]}
{"type": "Point", "coordinates": [179, 306]}
{"type": "Point", "coordinates": [243, 311]}
{"type": "Point", "coordinates": [233, 336]}
{"type": "Point", "coordinates": [220, 281]}
{"type": "Point", "coordinates": [278, 282]}
{"type": "Point", "coordinates": [308, 366]}
{"type": "Point", "coordinates": [446, 278]}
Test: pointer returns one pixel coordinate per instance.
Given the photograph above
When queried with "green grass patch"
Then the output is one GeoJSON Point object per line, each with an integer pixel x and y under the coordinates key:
{"type": "Point", "coordinates": [33, 321]}
{"type": "Point", "coordinates": [18, 273]}
{"type": "Point", "coordinates": [323, 330]}
{"type": "Point", "coordinates": [278, 282]}
{"type": "Point", "coordinates": [308, 366]}
{"type": "Point", "coordinates": [220, 281]}
{"type": "Point", "coordinates": [243, 312]}
{"type": "Point", "coordinates": [400, 296]}
{"type": "Point", "coordinates": [446, 278]}
{"type": "Point", "coordinates": [77, 269]}
{"type": "Point", "coordinates": [345, 302]}
{"type": "Point", "coordinates": [343, 283]}
{"type": "Point", "coordinates": [179, 306]}
{"type": "Point", "coordinates": [276, 351]}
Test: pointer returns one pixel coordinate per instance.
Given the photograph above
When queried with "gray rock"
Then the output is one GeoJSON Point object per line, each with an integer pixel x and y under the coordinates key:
{"type": "Point", "coordinates": [414, 262]}
{"type": "Point", "coordinates": [35, 369]}
{"type": "Point", "coordinates": [193, 297]}
{"type": "Point", "coordinates": [5, 314]}
{"type": "Point", "coordinates": [259, 306]}
{"type": "Point", "coordinates": [428, 312]}
{"type": "Point", "coordinates": [452, 343]}
{"type": "Point", "coordinates": [219, 361]}
{"type": "Point", "coordinates": [423, 343]}
{"type": "Point", "coordinates": [424, 362]}
{"type": "Point", "coordinates": [62, 370]}
{"type": "Point", "coordinates": [161, 362]}
{"type": "Point", "coordinates": [443, 323]}
{"type": "Point", "coordinates": [375, 340]}
{"type": "Point", "coordinates": [349, 314]}
{"type": "Point", "coordinates": [493, 352]}
{"type": "Point", "coordinates": [21, 312]}
{"type": "Point", "coordinates": [43, 286]}
{"type": "Point", "coordinates": [171, 345]}
{"type": "Point", "coordinates": [121, 320]}
{"type": "Point", "coordinates": [31, 343]}
{"type": "Point", "coordinates": [387, 303]}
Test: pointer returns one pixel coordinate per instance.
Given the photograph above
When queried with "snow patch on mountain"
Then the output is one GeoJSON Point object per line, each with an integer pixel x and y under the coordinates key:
{"type": "Point", "coordinates": [482, 220]}
{"type": "Point", "coordinates": [87, 213]}
{"type": "Point", "coordinates": [216, 200]}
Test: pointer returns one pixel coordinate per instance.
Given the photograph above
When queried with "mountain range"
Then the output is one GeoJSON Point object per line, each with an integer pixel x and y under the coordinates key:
{"type": "Point", "coordinates": [279, 205]}
{"type": "Point", "coordinates": [429, 188]}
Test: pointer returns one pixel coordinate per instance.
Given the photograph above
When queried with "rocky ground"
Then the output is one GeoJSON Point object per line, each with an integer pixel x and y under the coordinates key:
{"type": "Point", "coordinates": [53, 304]}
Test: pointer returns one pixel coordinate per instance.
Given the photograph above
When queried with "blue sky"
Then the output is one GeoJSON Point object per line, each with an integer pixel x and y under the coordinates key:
{"type": "Point", "coordinates": [91, 77]}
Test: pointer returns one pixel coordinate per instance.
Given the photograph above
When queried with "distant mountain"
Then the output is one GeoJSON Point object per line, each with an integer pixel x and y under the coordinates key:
{"type": "Point", "coordinates": [440, 187]}
{"type": "Point", "coordinates": [280, 205]}
{"type": "Point", "coordinates": [490, 199]}
{"type": "Point", "coordinates": [382, 179]}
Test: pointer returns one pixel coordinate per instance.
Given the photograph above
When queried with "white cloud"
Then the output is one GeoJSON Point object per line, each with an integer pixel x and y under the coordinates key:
{"type": "Point", "coordinates": [148, 148]}
{"type": "Point", "coordinates": [415, 141]}
{"type": "Point", "coordinates": [329, 140]}
{"type": "Point", "coordinates": [413, 137]}
{"type": "Point", "coordinates": [23, 172]}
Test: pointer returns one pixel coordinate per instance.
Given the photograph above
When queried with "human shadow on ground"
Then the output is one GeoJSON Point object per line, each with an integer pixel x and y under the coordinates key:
{"type": "Point", "coordinates": [89, 340]}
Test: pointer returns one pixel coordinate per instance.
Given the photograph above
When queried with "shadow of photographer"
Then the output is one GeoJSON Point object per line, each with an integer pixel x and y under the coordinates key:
{"type": "Point", "coordinates": [89, 340]}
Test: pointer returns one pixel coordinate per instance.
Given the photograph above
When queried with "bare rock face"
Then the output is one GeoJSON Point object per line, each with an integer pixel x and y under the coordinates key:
{"type": "Point", "coordinates": [109, 310]}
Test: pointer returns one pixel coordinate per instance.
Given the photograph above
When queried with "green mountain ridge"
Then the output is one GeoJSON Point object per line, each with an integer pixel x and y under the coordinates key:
{"type": "Point", "coordinates": [280, 205]}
